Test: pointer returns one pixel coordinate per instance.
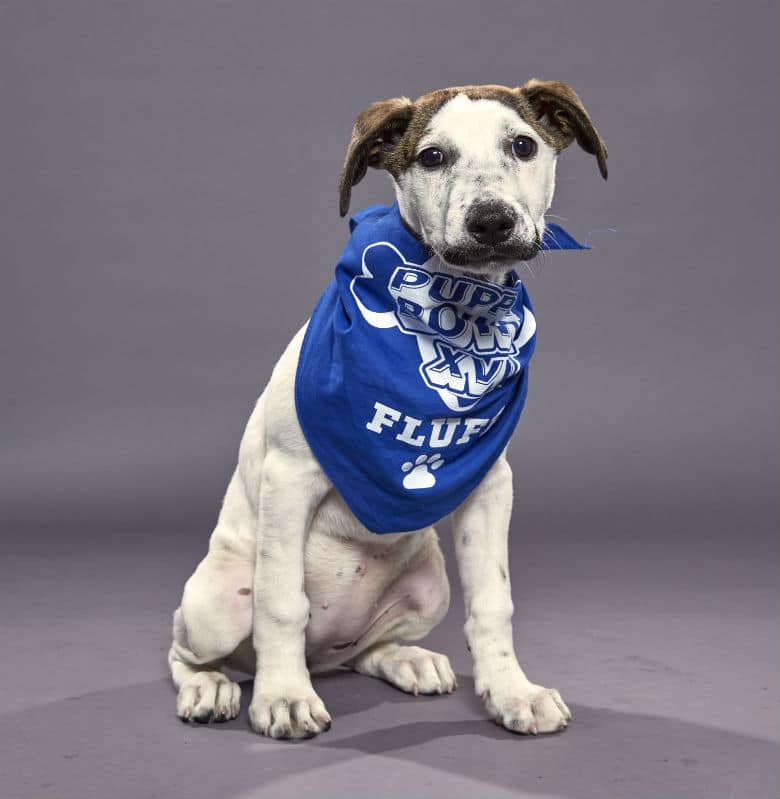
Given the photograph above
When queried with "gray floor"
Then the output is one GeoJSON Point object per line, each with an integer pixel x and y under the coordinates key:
{"type": "Point", "coordinates": [665, 647]}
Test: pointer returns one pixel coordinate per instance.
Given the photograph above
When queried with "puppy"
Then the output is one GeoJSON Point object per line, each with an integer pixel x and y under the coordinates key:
{"type": "Point", "coordinates": [389, 410]}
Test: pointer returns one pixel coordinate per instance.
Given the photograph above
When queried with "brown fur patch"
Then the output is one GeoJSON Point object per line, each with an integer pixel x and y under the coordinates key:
{"type": "Point", "coordinates": [424, 109]}
{"type": "Point", "coordinates": [385, 135]}
{"type": "Point", "coordinates": [555, 110]}
{"type": "Point", "coordinates": [376, 131]}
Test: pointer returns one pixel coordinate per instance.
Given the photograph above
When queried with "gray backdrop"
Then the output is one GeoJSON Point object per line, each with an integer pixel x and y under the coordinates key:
{"type": "Point", "coordinates": [168, 217]}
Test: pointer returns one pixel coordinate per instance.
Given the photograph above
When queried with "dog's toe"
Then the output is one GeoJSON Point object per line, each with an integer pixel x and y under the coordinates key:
{"type": "Point", "coordinates": [208, 696]}
{"type": "Point", "coordinates": [284, 718]}
{"type": "Point", "coordinates": [527, 708]}
{"type": "Point", "coordinates": [410, 668]}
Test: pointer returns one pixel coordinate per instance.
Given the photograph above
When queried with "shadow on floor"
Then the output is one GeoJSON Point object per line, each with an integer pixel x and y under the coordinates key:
{"type": "Point", "coordinates": [126, 742]}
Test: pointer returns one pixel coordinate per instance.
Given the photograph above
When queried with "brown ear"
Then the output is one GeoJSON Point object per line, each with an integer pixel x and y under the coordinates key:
{"type": "Point", "coordinates": [560, 117]}
{"type": "Point", "coordinates": [374, 135]}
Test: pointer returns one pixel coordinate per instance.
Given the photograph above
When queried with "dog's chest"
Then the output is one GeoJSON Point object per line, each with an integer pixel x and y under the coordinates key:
{"type": "Point", "coordinates": [335, 519]}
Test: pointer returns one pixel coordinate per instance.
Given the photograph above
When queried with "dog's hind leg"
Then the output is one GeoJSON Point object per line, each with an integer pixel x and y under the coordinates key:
{"type": "Point", "coordinates": [205, 693]}
{"type": "Point", "coordinates": [214, 618]}
{"type": "Point", "coordinates": [215, 615]}
{"type": "Point", "coordinates": [410, 609]}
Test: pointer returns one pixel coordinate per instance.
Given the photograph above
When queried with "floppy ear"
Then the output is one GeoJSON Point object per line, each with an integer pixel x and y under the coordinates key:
{"type": "Point", "coordinates": [560, 117]}
{"type": "Point", "coordinates": [376, 132]}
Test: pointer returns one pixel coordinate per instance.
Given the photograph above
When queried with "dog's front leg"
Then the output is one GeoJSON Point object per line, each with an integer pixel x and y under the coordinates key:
{"type": "Point", "coordinates": [481, 527]}
{"type": "Point", "coordinates": [284, 704]}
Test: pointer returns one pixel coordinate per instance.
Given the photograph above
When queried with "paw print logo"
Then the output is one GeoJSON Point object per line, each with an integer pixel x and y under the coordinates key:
{"type": "Point", "coordinates": [420, 474]}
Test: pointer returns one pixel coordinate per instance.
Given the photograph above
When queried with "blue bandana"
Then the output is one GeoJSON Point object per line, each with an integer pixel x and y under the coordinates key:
{"type": "Point", "coordinates": [410, 381]}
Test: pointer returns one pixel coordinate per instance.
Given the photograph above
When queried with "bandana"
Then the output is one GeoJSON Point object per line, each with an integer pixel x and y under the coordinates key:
{"type": "Point", "coordinates": [410, 381]}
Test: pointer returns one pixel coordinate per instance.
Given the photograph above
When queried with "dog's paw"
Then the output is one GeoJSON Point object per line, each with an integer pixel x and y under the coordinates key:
{"type": "Point", "coordinates": [526, 708]}
{"type": "Point", "coordinates": [288, 714]}
{"type": "Point", "coordinates": [208, 696]}
{"type": "Point", "coordinates": [409, 668]}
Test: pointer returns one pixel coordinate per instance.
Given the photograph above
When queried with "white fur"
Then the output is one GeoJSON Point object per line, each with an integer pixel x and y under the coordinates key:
{"type": "Point", "coordinates": [476, 136]}
{"type": "Point", "coordinates": [292, 582]}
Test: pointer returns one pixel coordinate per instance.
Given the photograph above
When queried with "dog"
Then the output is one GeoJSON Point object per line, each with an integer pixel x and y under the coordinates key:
{"type": "Point", "coordinates": [295, 581]}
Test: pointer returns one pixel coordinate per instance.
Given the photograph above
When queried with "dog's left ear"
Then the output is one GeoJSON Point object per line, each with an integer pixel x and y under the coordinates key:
{"type": "Point", "coordinates": [377, 130]}
{"type": "Point", "coordinates": [560, 117]}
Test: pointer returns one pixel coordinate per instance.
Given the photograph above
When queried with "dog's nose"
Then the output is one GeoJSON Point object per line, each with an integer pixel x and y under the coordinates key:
{"type": "Point", "coordinates": [490, 223]}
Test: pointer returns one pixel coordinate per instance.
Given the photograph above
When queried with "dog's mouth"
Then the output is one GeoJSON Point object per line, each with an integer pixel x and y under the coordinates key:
{"type": "Point", "coordinates": [478, 257]}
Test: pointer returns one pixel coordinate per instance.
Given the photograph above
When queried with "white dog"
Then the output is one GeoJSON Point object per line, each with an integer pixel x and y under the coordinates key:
{"type": "Point", "coordinates": [293, 580]}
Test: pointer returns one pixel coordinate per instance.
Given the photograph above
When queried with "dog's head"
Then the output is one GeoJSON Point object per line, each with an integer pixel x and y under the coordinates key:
{"type": "Point", "coordinates": [473, 166]}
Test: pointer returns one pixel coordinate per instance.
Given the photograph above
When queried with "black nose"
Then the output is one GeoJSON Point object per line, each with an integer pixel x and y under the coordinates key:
{"type": "Point", "coordinates": [490, 223]}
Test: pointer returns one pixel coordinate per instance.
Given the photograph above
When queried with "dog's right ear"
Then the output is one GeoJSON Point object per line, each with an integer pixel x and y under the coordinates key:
{"type": "Point", "coordinates": [374, 136]}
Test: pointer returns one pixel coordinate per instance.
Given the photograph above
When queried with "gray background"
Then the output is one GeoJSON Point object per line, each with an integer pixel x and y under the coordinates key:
{"type": "Point", "coordinates": [168, 217]}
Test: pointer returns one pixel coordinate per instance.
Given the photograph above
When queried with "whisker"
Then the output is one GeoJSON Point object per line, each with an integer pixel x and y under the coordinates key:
{"type": "Point", "coordinates": [550, 233]}
{"type": "Point", "coordinates": [535, 266]}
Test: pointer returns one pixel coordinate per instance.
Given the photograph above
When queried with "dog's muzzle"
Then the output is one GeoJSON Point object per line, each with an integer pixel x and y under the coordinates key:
{"type": "Point", "coordinates": [493, 237]}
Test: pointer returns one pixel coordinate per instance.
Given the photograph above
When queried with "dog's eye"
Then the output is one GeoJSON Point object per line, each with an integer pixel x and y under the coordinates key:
{"type": "Point", "coordinates": [523, 147]}
{"type": "Point", "coordinates": [431, 157]}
